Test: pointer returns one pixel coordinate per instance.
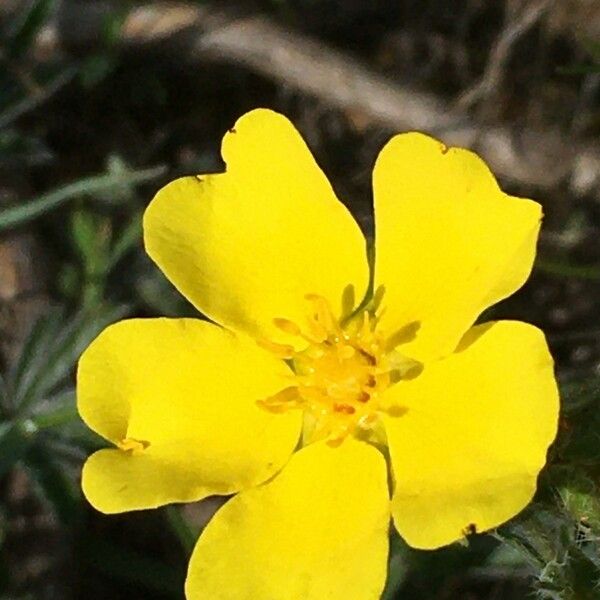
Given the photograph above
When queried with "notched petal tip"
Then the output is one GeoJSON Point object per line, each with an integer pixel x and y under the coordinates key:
{"type": "Point", "coordinates": [107, 416]}
{"type": "Point", "coordinates": [449, 242]}
{"type": "Point", "coordinates": [275, 203]}
{"type": "Point", "coordinates": [177, 399]}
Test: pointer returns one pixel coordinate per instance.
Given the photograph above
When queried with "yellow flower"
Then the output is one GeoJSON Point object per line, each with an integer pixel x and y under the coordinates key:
{"type": "Point", "coordinates": [268, 253]}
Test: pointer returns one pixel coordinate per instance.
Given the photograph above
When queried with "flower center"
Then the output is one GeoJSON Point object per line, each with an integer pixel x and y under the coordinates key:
{"type": "Point", "coordinates": [341, 374]}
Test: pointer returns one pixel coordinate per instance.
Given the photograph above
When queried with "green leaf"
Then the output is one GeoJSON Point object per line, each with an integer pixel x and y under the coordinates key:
{"type": "Point", "coordinates": [579, 394]}
{"type": "Point", "coordinates": [564, 268]}
{"type": "Point", "coordinates": [580, 440]}
{"type": "Point", "coordinates": [15, 142]}
{"type": "Point", "coordinates": [53, 484]}
{"type": "Point", "coordinates": [398, 569]}
{"type": "Point", "coordinates": [16, 438]}
{"type": "Point", "coordinates": [24, 213]}
{"type": "Point", "coordinates": [89, 243]}
{"type": "Point", "coordinates": [28, 26]}
{"type": "Point", "coordinates": [126, 241]}
{"type": "Point", "coordinates": [56, 411]}
{"type": "Point", "coordinates": [33, 353]}
{"type": "Point", "coordinates": [181, 528]}
{"type": "Point", "coordinates": [581, 499]}
{"type": "Point", "coordinates": [60, 355]}
{"type": "Point", "coordinates": [91, 235]}
{"type": "Point", "coordinates": [96, 68]}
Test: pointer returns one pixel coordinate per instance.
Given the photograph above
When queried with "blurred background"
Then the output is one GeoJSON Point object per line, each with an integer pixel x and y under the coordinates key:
{"type": "Point", "coordinates": [101, 103]}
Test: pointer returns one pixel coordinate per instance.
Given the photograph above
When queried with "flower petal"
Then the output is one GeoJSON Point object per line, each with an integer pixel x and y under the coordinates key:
{"type": "Point", "coordinates": [247, 245]}
{"type": "Point", "coordinates": [318, 531]}
{"type": "Point", "coordinates": [178, 397]}
{"type": "Point", "coordinates": [467, 449]}
{"type": "Point", "coordinates": [449, 242]}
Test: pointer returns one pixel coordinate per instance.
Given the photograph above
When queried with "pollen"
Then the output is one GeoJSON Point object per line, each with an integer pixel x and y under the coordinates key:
{"type": "Point", "coordinates": [340, 375]}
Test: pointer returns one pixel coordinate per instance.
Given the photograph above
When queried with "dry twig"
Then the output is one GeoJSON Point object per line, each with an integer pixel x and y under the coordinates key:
{"type": "Point", "coordinates": [200, 33]}
{"type": "Point", "coordinates": [526, 17]}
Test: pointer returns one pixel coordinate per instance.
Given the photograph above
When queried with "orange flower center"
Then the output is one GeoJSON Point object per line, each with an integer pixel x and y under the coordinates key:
{"type": "Point", "coordinates": [340, 375]}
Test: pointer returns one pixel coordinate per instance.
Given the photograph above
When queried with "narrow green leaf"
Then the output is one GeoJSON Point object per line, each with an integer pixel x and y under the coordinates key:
{"type": "Point", "coordinates": [181, 528]}
{"type": "Point", "coordinates": [578, 395]}
{"type": "Point", "coordinates": [57, 411]}
{"type": "Point", "coordinates": [16, 438]}
{"type": "Point", "coordinates": [34, 352]}
{"type": "Point", "coordinates": [567, 269]}
{"type": "Point", "coordinates": [53, 484]}
{"type": "Point", "coordinates": [28, 26]}
{"type": "Point", "coordinates": [127, 239]}
{"type": "Point", "coordinates": [580, 498]}
{"type": "Point", "coordinates": [87, 237]}
{"type": "Point", "coordinates": [31, 145]}
{"type": "Point", "coordinates": [24, 213]}
{"type": "Point", "coordinates": [5, 406]}
{"type": "Point", "coordinates": [398, 569]}
{"type": "Point", "coordinates": [63, 353]}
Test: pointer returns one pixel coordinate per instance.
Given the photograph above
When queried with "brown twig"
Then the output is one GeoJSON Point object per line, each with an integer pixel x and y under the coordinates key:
{"type": "Point", "coordinates": [200, 33]}
{"type": "Point", "coordinates": [526, 17]}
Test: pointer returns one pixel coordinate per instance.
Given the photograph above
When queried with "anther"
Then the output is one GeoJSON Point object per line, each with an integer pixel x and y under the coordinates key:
{"type": "Point", "coordinates": [323, 314]}
{"type": "Point", "coordinates": [287, 326]}
{"type": "Point", "coordinates": [396, 411]}
{"type": "Point", "coordinates": [344, 408]}
{"type": "Point", "coordinates": [340, 375]}
{"type": "Point", "coordinates": [346, 352]}
{"type": "Point", "coordinates": [281, 401]}
{"type": "Point", "coordinates": [371, 381]}
{"type": "Point", "coordinates": [132, 445]}
{"type": "Point", "coordinates": [280, 350]}
{"type": "Point", "coordinates": [367, 421]}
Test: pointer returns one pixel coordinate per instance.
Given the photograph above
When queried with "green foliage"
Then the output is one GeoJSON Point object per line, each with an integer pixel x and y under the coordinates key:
{"type": "Point", "coordinates": [26, 27]}
{"type": "Point", "coordinates": [563, 550]}
{"type": "Point", "coordinates": [22, 214]}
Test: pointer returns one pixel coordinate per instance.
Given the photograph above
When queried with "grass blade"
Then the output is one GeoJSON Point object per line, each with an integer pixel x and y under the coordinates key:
{"type": "Point", "coordinates": [24, 213]}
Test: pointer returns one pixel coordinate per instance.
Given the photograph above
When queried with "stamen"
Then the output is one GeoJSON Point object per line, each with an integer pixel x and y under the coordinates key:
{"type": "Point", "coordinates": [292, 328]}
{"type": "Point", "coordinates": [344, 408]}
{"type": "Point", "coordinates": [132, 445]}
{"type": "Point", "coordinates": [317, 331]}
{"type": "Point", "coordinates": [395, 410]}
{"type": "Point", "coordinates": [367, 421]}
{"type": "Point", "coordinates": [287, 326]}
{"type": "Point", "coordinates": [282, 400]}
{"type": "Point", "coordinates": [340, 377]}
{"type": "Point", "coordinates": [312, 393]}
{"type": "Point", "coordinates": [337, 436]}
{"type": "Point", "coordinates": [323, 313]}
{"type": "Point", "coordinates": [345, 351]}
{"type": "Point", "coordinates": [280, 350]}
